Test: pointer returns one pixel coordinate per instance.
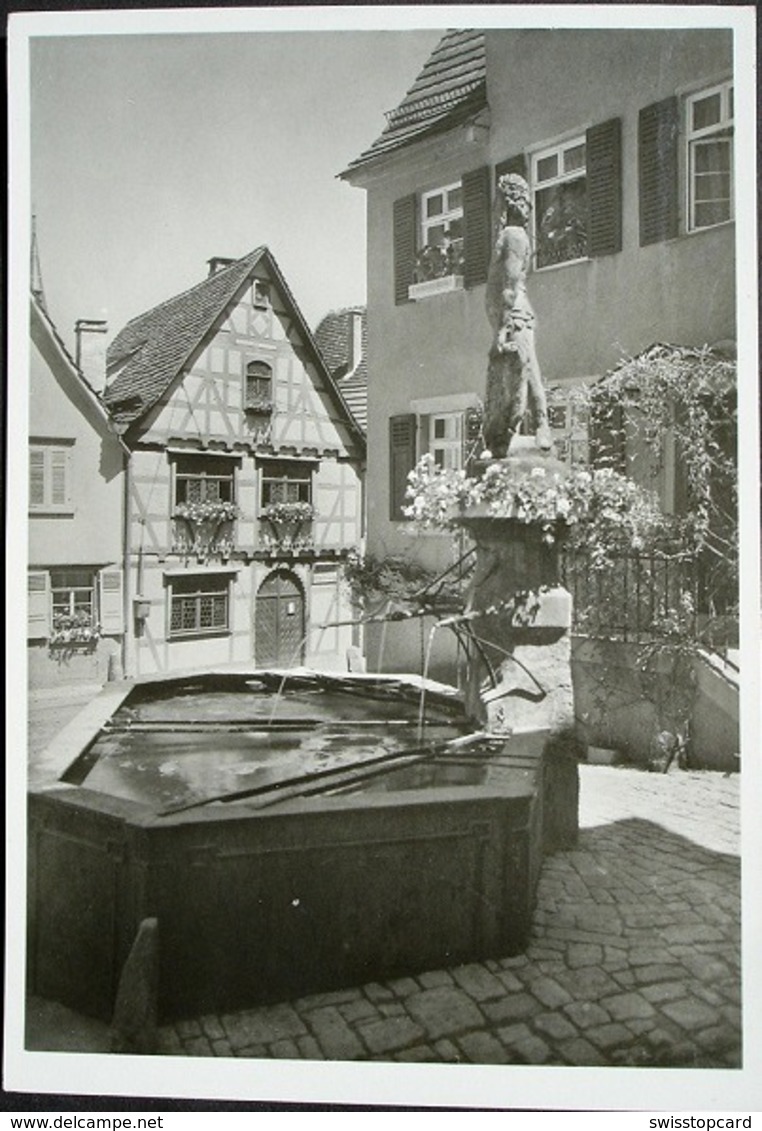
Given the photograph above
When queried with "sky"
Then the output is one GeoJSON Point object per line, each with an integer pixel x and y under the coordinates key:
{"type": "Point", "coordinates": [152, 153]}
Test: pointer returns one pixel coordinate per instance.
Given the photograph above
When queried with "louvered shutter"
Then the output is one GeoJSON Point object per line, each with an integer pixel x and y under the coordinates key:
{"type": "Point", "coordinates": [607, 438]}
{"type": "Point", "coordinates": [111, 601]}
{"type": "Point", "coordinates": [604, 188]}
{"type": "Point", "coordinates": [38, 604]}
{"type": "Point", "coordinates": [658, 171]}
{"type": "Point", "coordinates": [59, 477]}
{"type": "Point", "coordinates": [36, 477]}
{"type": "Point", "coordinates": [401, 461]}
{"type": "Point", "coordinates": [404, 246]}
{"type": "Point", "coordinates": [477, 237]}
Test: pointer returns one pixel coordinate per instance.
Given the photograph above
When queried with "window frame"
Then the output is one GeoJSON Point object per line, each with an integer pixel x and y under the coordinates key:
{"type": "Point", "coordinates": [558, 149]}
{"type": "Point", "coordinates": [203, 477]}
{"type": "Point", "coordinates": [262, 399]}
{"type": "Point", "coordinates": [447, 444]}
{"type": "Point", "coordinates": [723, 130]}
{"type": "Point", "coordinates": [302, 482]}
{"type": "Point", "coordinates": [446, 217]}
{"type": "Point", "coordinates": [49, 450]}
{"type": "Point", "coordinates": [60, 580]}
{"type": "Point", "coordinates": [204, 582]}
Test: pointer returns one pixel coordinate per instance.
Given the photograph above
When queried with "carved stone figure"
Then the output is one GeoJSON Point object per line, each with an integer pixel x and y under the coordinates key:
{"type": "Point", "coordinates": [513, 374]}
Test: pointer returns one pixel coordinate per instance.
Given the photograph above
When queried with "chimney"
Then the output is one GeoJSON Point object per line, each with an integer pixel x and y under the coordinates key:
{"type": "Point", "coordinates": [91, 351]}
{"type": "Point", "coordinates": [218, 263]}
{"type": "Point", "coordinates": [355, 339]}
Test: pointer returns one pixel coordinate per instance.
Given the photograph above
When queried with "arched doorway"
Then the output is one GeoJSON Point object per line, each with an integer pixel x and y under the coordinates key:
{"type": "Point", "coordinates": [279, 621]}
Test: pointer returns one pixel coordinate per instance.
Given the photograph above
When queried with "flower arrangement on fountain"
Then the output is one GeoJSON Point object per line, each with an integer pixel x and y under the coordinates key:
{"type": "Point", "coordinates": [204, 520]}
{"type": "Point", "coordinates": [605, 508]}
{"type": "Point", "coordinates": [74, 628]}
{"type": "Point", "coordinates": [287, 522]}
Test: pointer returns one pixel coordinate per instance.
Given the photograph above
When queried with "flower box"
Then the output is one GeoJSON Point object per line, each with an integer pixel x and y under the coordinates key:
{"type": "Point", "coordinates": [418, 291]}
{"type": "Point", "coordinates": [260, 406]}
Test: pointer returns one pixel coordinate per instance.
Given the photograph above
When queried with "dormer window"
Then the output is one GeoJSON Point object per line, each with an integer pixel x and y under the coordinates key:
{"type": "Point", "coordinates": [258, 392]}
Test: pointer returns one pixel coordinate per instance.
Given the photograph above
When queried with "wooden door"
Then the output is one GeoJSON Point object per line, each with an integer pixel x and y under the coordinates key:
{"type": "Point", "coordinates": [279, 622]}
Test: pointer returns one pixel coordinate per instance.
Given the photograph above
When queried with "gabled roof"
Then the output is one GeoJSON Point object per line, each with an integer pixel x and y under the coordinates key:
{"type": "Point", "coordinates": [450, 89]}
{"type": "Point", "coordinates": [153, 349]}
{"type": "Point", "coordinates": [157, 344]}
{"type": "Point", "coordinates": [47, 339]}
{"type": "Point", "coordinates": [334, 340]}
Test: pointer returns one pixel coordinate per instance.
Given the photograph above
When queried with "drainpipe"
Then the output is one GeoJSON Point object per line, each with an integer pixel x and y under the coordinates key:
{"type": "Point", "coordinates": [127, 594]}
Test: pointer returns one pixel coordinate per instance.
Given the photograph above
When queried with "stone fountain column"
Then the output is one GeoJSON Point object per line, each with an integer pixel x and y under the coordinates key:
{"type": "Point", "coordinates": [519, 674]}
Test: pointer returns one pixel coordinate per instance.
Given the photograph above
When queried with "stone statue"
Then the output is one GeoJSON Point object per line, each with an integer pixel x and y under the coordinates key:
{"type": "Point", "coordinates": [513, 374]}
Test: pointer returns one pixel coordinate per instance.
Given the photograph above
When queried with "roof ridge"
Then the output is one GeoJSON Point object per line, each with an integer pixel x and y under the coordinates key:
{"type": "Point", "coordinates": [257, 251]}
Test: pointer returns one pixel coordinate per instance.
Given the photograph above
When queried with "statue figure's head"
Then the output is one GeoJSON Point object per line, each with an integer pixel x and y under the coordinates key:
{"type": "Point", "coordinates": [515, 191]}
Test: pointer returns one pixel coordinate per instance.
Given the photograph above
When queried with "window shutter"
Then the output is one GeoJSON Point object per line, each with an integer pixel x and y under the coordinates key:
{"type": "Point", "coordinates": [476, 225]}
{"type": "Point", "coordinates": [604, 188]}
{"type": "Point", "coordinates": [517, 165]}
{"type": "Point", "coordinates": [607, 438]}
{"type": "Point", "coordinates": [404, 246]}
{"type": "Point", "coordinates": [401, 461]}
{"type": "Point", "coordinates": [36, 477]}
{"type": "Point", "coordinates": [658, 174]}
{"type": "Point", "coordinates": [111, 604]}
{"type": "Point", "coordinates": [38, 604]}
{"type": "Point", "coordinates": [59, 476]}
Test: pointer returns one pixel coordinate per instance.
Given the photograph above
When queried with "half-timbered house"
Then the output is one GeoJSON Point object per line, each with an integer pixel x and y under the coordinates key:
{"type": "Point", "coordinates": [244, 482]}
{"type": "Point", "coordinates": [75, 622]}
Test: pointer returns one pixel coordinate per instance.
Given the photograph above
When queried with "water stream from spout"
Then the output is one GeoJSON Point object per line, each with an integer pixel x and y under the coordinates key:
{"type": "Point", "coordinates": [424, 678]}
{"type": "Point", "coordinates": [297, 652]}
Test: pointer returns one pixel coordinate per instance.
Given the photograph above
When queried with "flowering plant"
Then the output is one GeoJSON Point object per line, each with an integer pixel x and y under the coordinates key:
{"type": "Point", "coordinates": [74, 628]}
{"type": "Point", "coordinates": [611, 508]}
{"type": "Point", "coordinates": [258, 404]}
{"type": "Point", "coordinates": [280, 513]}
{"type": "Point", "coordinates": [435, 261]}
{"type": "Point", "coordinates": [198, 512]}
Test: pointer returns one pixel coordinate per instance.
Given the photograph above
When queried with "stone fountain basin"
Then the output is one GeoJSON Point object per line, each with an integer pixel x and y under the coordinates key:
{"type": "Point", "coordinates": [325, 845]}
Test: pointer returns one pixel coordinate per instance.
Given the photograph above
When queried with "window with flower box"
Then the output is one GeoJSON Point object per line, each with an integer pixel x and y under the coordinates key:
{"type": "Point", "coordinates": [74, 605]}
{"type": "Point", "coordinates": [258, 391]}
{"type": "Point", "coordinates": [199, 605]}
{"type": "Point", "coordinates": [73, 602]}
{"type": "Point", "coordinates": [286, 481]}
{"type": "Point", "coordinates": [204, 479]}
{"type": "Point", "coordinates": [442, 237]}
{"type": "Point", "coordinates": [559, 179]}
{"type": "Point", "coordinates": [709, 135]}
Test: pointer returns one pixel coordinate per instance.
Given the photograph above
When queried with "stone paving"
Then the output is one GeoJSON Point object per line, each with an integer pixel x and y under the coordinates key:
{"type": "Point", "coordinates": [634, 957]}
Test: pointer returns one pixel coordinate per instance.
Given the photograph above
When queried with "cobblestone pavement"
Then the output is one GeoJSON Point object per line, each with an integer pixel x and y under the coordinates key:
{"type": "Point", "coordinates": [634, 957]}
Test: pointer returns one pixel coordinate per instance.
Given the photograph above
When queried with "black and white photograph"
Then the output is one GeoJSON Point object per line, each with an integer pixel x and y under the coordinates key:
{"type": "Point", "coordinates": [384, 601]}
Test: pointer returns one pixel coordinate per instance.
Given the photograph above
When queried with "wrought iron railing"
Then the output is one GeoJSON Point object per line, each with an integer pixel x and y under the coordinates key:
{"type": "Point", "coordinates": [641, 597]}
